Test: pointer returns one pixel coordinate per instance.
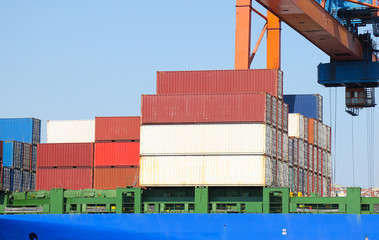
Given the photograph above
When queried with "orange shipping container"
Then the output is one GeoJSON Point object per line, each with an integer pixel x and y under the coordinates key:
{"type": "Point", "coordinates": [117, 154]}
{"type": "Point", "coordinates": [112, 178]}
{"type": "Point", "coordinates": [311, 125]}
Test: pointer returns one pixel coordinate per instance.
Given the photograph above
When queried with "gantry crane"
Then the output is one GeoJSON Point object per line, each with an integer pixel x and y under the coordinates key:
{"type": "Point", "coordinates": [331, 25]}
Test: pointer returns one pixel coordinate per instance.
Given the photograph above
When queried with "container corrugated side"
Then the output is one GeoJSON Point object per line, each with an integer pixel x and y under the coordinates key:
{"type": "Point", "coordinates": [206, 108]}
{"type": "Point", "coordinates": [280, 114]}
{"type": "Point", "coordinates": [205, 139]}
{"type": "Point", "coordinates": [26, 156]}
{"type": "Point", "coordinates": [65, 155]}
{"type": "Point", "coordinates": [309, 105]}
{"type": "Point", "coordinates": [26, 130]}
{"type": "Point", "coordinates": [117, 154]}
{"type": "Point", "coordinates": [285, 147]}
{"type": "Point", "coordinates": [17, 180]}
{"type": "Point", "coordinates": [70, 131]}
{"type": "Point", "coordinates": [247, 170]}
{"type": "Point", "coordinates": [311, 125]}
{"type": "Point", "coordinates": [112, 178]}
{"type": "Point", "coordinates": [285, 117]}
{"type": "Point", "coordinates": [67, 178]}
{"type": "Point", "coordinates": [221, 81]}
{"type": "Point", "coordinates": [7, 178]}
{"type": "Point", "coordinates": [117, 128]}
{"type": "Point", "coordinates": [12, 154]}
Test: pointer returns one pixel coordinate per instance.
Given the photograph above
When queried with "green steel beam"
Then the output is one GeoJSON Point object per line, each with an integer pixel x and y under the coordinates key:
{"type": "Point", "coordinates": [201, 199]}
{"type": "Point", "coordinates": [56, 201]}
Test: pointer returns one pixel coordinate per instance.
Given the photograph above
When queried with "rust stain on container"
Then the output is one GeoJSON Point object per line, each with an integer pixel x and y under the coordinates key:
{"type": "Point", "coordinates": [68, 178]}
{"type": "Point", "coordinates": [117, 154]}
{"type": "Point", "coordinates": [65, 154]}
{"type": "Point", "coordinates": [206, 108]}
{"type": "Point", "coordinates": [117, 128]}
{"type": "Point", "coordinates": [112, 178]}
{"type": "Point", "coordinates": [221, 81]}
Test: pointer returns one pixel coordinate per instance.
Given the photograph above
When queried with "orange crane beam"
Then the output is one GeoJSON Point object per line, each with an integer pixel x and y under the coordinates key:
{"type": "Point", "coordinates": [313, 22]}
{"type": "Point", "coordinates": [243, 34]}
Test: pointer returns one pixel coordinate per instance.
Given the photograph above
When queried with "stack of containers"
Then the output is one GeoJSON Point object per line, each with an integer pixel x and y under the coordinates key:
{"type": "Point", "coordinates": [312, 139]}
{"type": "Point", "coordinates": [214, 128]}
{"type": "Point", "coordinates": [19, 152]}
{"type": "Point", "coordinates": [116, 152]}
{"type": "Point", "coordinates": [66, 160]}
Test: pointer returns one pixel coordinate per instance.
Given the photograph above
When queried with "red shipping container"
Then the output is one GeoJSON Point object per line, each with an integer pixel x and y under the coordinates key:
{"type": "Point", "coordinates": [67, 178]}
{"type": "Point", "coordinates": [206, 108]}
{"type": "Point", "coordinates": [112, 178]}
{"type": "Point", "coordinates": [65, 155]}
{"type": "Point", "coordinates": [221, 81]}
{"type": "Point", "coordinates": [117, 128]}
{"type": "Point", "coordinates": [117, 154]}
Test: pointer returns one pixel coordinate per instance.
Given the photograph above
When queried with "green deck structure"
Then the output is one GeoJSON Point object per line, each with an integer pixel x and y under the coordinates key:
{"type": "Point", "coordinates": [183, 200]}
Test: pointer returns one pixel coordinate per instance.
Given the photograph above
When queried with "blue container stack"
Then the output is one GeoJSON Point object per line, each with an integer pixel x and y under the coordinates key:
{"type": "Point", "coordinates": [19, 156]}
{"type": "Point", "coordinates": [308, 105]}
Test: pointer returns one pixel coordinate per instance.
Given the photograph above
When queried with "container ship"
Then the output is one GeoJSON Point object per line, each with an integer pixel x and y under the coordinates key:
{"type": "Point", "coordinates": [219, 154]}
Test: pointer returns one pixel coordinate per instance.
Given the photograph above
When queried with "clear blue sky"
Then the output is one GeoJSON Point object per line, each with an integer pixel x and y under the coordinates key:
{"type": "Point", "coordinates": [80, 59]}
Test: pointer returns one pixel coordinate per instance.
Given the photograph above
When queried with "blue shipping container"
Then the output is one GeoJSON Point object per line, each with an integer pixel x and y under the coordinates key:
{"type": "Point", "coordinates": [309, 105]}
{"type": "Point", "coordinates": [7, 178]}
{"type": "Point", "coordinates": [12, 154]}
{"type": "Point", "coordinates": [26, 130]}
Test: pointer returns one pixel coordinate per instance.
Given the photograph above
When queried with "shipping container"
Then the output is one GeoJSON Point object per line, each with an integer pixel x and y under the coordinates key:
{"type": "Point", "coordinates": [279, 145]}
{"type": "Point", "coordinates": [205, 139]}
{"type": "Point", "coordinates": [324, 187]}
{"type": "Point", "coordinates": [310, 157]}
{"type": "Point", "coordinates": [71, 131]}
{"type": "Point", "coordinates": [290, 152]}
{"type": "Point", "coordinates": [25, 185]}
{"type": "Point", "coordinates": [206, 108]}
{"type": "Point", "coordinates": [310, 183]}
{"type": "Point", "coordinates": [296, 125]}
{"type": "Point", "coordinates": [221, 81]}
{"type": "Point", "coordinates": [112, 178]}
{"type": "Point", "coordinates": [285, 117]}
{"type": "Point", "coordinates": [285, 147]}
{"type": "Point", "coordinates": [301, 180]}
{"type": "Point", "coordinates": [17, 180]}
{"type": "Point", "coordinates": [328, 138]}
{"type": "Point", "coordinates": [319, 185]}
{"type": "Point", "coordinates": [1, 154]}
{"type": "Point", "coordinates": [309, 105]}
{"type": "Point", "coordinates": [274, 172]}
{"type": "Point", "coordinates": [295, 160]}
{"type": "Point", "coordinates": [33, 181]}
{"type": "Point", "coordinates": [7, 179]}
{"type": "Point", "coordinates": [312, 123]}
{"type": "Point", "coordinates": [306, 125]}
{"type": "Point", "coordinates": [285, 175]}
{"type": "Point", "coordinates": [26, 130]}
{"type": "Point", "coordinates": [34, 157]}
{"type": "Point", "coordinates": [319, 161]}
{"type": "Point", "coordinates": [280, 177]}
{"type": "Point", "coordinates": [12, 154]}
{"type": "Point", "coordinates": [274, 143]}
{"type": "Point", "coordinates": [65, 155]}
{"type": "Point", "coordinates": [280, 114]}
{"type": "Point", "coordinates": [245, 170]}
{"type": "Point", "coordinates": [117, 154]}
{"type": "Point", "coordinates": [67, 178]}
{"type": "Point", "coordinates": [26, 156]}
{"type": "Point", "coordinates": [290, 178]}
{"type": "Point", "coordinates": [117, 129]}
{"type": "Point", "coordinates": [301, 154]}
{"type": "Point", "coordinates": [274, 118]}
{"type": "Point", "coordinates": [306, 156]}
{"type": "Point", "coordinates": [296, 179]}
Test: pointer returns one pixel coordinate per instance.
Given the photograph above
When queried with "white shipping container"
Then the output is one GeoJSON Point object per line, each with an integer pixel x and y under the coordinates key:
{"type": "Point", "coordinates": [205, 139]}
{"type": "Point", "coordinates": [296, 125]}
{"type": "Point", "coordinates": [306, 159]}
{"type": "Point", "coordinates": [274, 142]}
{"type": "Point", "coordinates": [324, 163]}
{"type": "Point", "coordinates": [274, 171]}
{"type": "Point", "coordinates": [295, 160]}
{"type": "Point", "coordinates": [315, 155]}
{"type": "Point", "coordinates": [310, 182]}
{"type": "Point", "coordinates": [285, 147]}
{"type": "Point", "coordinates": [328, 138]}
{"type": "Point", "coordinates": [70, 131]}
{"type": "Point", "coordinates": [306, 192]}
{"type": "Point", "coordinates": [243, 170]}
{"type": "Point", "coordinates": [319, 186]}
{"type": "Point", "coordinates": [329, 172]}
{"type": "Point", "coordinates": [324, 187]}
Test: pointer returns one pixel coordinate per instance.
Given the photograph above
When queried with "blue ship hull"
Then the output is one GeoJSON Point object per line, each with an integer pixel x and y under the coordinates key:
{"type": "Point", "coordinates": [189, 226]}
